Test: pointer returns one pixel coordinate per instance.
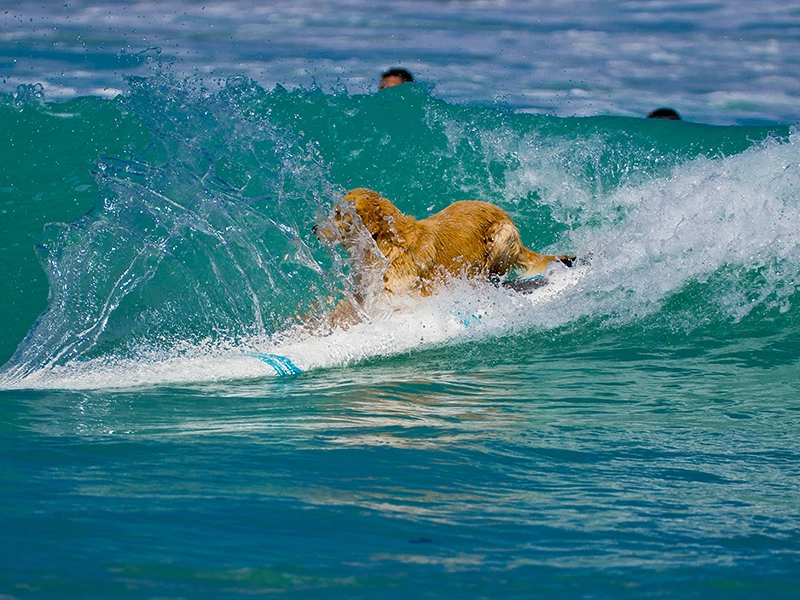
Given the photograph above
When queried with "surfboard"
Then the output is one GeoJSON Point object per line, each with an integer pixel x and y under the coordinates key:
{"type": "Point", "coordinates": [525, 285]}
{"type": "Point", "coordinates": [413, 326]}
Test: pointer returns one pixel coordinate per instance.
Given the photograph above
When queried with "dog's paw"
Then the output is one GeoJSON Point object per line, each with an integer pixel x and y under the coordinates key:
{"type": "Point", "coordinates": [575, 261]}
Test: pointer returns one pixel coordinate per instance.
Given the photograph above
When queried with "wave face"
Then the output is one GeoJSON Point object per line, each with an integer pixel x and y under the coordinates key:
{"type": "Point", "coordinates": [199, 247]}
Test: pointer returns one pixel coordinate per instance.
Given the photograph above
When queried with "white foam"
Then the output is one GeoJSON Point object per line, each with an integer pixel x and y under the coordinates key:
{"type": "Point", "coordinates": [462, 311]}
{"type": "Point", "coordinates": [740, 212]}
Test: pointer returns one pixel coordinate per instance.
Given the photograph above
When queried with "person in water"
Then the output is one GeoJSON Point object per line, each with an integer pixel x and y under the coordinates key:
{"type": "Point", "coordinates": [665, 113]}
{"type": "Point", "coordinates": [394, 77]}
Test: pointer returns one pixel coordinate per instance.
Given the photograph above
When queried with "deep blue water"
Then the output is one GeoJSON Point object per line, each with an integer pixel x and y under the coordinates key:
{"type": "Point", "coordinates": [627, 431]}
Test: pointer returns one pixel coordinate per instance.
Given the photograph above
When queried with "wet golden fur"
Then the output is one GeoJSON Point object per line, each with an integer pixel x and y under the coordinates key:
{"type": "Point", "coordinates": [467, 239]}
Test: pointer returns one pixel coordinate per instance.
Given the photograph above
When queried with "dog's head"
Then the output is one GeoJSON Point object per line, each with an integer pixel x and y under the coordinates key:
{"type": "Point", "coordinates": [357, 224]}
{"type": "Point", "coordinates": [364, 212]}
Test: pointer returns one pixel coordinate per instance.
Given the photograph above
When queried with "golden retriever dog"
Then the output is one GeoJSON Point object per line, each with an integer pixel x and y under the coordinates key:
{"type": "Point", "coordinates": [469, 239]}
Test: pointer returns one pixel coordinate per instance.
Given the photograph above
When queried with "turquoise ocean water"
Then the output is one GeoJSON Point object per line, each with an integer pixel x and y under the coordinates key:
{"type": "Point", "coordinates": [628, 431]}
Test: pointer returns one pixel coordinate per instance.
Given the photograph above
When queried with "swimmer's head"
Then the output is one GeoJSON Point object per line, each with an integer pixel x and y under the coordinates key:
{"type": "Point", "coordinates": [665, 113]}
{"type": "Point", "coordinates": [394, 77]}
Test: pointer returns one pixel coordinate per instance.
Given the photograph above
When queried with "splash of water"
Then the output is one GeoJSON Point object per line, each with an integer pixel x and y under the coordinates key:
{"type": "Point", "coordinates": [203, 235]}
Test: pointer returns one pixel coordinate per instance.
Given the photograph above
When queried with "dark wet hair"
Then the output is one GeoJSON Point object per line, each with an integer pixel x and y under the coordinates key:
{"type": "Point", "coordinates": [665, 113]}
{"type": "Point", "coordinates": [403, 74]}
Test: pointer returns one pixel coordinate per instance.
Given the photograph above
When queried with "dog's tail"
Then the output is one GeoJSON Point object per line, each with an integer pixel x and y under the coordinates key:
{"type": "Point", "coordinates": [533, 264]}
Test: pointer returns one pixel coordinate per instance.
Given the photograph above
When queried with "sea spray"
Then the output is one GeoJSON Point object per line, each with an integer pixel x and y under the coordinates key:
{"type": "Point", "coordinates": [205, 235]}
{"type": "Point", "coordinates": [731, 223]}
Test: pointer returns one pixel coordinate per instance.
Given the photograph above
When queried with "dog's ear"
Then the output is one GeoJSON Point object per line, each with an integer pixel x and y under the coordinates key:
{"type": "Point", "coordinates": [388, 227]}
{"type": "Point", "coordinates": [383, 228]}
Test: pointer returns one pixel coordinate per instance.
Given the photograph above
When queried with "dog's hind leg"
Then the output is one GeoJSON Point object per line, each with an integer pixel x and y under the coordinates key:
{"type": "Point", "coordinates": [506, 252]}
{"type": "Point", "coordinates": [536, 264]}
{"type": "Point", "coordinates": [503, 249]}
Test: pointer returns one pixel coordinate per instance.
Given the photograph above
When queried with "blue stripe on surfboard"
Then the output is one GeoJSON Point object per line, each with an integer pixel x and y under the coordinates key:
{"type": "Point", "coordinates": [281, 364]}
